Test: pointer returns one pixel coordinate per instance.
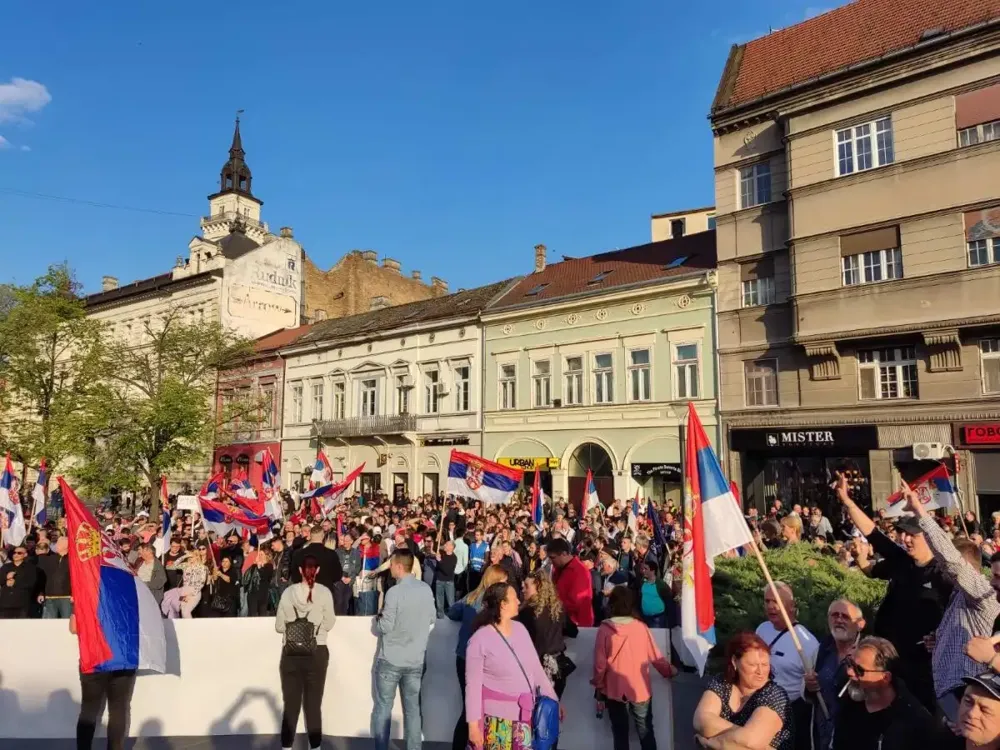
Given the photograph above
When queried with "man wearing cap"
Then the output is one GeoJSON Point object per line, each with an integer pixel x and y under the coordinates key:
{"type": "Point", "coordinates": [979, 713]}
{"type": "Point", "coordinates": [916, 598]}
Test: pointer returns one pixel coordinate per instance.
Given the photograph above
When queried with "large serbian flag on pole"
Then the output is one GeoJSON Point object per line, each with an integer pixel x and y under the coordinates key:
{"type": "Point", "coordinates": [117, 620]}
{"type": "Point", "coordinates": [934, 489]}
{"type": "Point", "coordinates": [330, 494]}
{"type": "Point", "coordinates": [474, 477]}
{"type": "Point", "coordinates": [713, 524]}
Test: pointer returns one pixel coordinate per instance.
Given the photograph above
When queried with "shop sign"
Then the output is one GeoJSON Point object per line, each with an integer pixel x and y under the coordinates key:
{"type": "Point", "coordinates": [776, 439]}
{"type": "Point", "coordinates": [459, 440]}
{"type": "Point", "coordinates": [983, 433]}
{"type": "Point", "coordinates": [541, 463]}
{"type": "Point", "coordinates": [670, 472]}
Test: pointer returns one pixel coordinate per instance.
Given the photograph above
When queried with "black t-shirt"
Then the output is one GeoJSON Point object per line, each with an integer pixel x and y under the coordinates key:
{"type": "Point", "coordinates": [903, 725]}
{"type": "Point", "coordinates": [446, 568]}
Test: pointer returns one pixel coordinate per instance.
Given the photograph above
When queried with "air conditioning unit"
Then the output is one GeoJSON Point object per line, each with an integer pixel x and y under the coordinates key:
{"type": "Point", "coordinates": [440, 389]}
{"type": "Point", "coordinates": [928, 451]}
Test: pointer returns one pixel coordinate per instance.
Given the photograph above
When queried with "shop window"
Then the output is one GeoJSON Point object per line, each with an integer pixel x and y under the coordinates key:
{"type": "Point", "coordinates": [804, 480]}
{"type": "Point", "coordinates": [990, 351]}
{"type": "Point", "coordinates": [542, 384]}
{"type": "Point", "coordinates": [573, 391]}
{"type": "Point", "coordinates": [761, 382]}
{"type": "Point", "coordinates": [508, 386]}
{"type": "Point", "coordinates": [887, 373]}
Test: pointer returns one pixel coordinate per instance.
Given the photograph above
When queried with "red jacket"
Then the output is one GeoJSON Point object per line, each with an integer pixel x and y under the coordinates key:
{"type": "Point", "coordinates": [575, 592]}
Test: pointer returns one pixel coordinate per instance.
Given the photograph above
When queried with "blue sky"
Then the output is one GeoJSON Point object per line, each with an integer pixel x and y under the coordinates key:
{"type": "Point", "coordinates": [452, 136]}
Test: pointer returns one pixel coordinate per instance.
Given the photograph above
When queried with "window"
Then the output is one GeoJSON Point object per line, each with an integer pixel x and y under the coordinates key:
{"type": "Point", "coordinates": [600, 277]}
{"type": "Point", "coordinates": [990, 352]}
{"type": "Point", "coordinates": [339, 400]}
{"type": "Point", "coordinates": [711, 221]}
{"type": "Point", "coordinates": [687, 381]}
{"type": "Point", "coordinates": [536, 290]}
{"type": "Point", "coordinates": [402, 394]}
{"type": "Point", "coordinates": [541, 383]}
{"type": "Point", "coordinates": [369, 397]}
{"type": "Point", "coordinates": [755, 184]}
{"type": "Point", "coordinates": [677, 262]}
{"type": "Point", "coordinates": [761, 382]}
{"type": "Point", "coordinates": [758, 291]}
{"type": "Point", "coordinates": [888, 373]}
{"type": "Point", "coordinates": [317, 401]}
{"type": "Point", "coordinates": [462, 388]}
{"type": "Point", "coordinates": [573, 391]}
{"type": "Point", "coordinates": [989, 131]}
{"type": "Point", "coordinates": [639, 381]}
{"type": "Point", "coordinates": [857, 152]}
{"type": "Point", "coordinates": [297, 403]}
{"type": "Point", "coordinates": [873, 266]}
{"type": "Point", "coordinates": [508, 386]}
{"type": "Point", "coordinates": [431, 392]}
{"type": "Point", "coordinates": [604, 382]}
{"type": "Point", "coordinates": [984, 252]}
{"type": "Point", "coordinates": [676, 228]}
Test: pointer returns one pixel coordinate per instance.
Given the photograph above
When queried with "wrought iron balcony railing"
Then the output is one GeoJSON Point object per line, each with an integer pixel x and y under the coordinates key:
{"type": "Point", "coordinates": [384, 424]}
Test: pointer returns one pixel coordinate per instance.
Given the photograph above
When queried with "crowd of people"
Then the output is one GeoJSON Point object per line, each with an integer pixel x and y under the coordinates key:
{"type": "Point", "coordinates": [921, 671]}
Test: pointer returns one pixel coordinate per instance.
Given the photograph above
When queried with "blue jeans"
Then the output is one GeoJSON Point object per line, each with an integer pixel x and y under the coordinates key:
{"type": "Point", "coordinates": [444, 596]}
{"type": "Point", "coordinates": [57, 609]}
{"type": "Point", "coordinates": [655, 621]}
{"type": "Point", "coordinates": [366, 603]}
{"type": "Point", "coordinates": [387, 678]}
{"type": "Point", "coordinates": [641, 714]}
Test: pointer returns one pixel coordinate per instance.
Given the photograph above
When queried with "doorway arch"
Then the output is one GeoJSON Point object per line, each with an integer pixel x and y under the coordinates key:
{"type": "Point", "coordinates": [589, 456]}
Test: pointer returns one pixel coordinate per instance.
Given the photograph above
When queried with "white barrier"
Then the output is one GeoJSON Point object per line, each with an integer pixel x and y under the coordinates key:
{"type": "Point", "coordinates": [224, 680]}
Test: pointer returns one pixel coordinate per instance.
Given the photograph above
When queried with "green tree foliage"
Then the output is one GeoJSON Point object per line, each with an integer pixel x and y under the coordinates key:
{"type": "Point", "coordinates": [815, 578]}
{"type": "Point", "coordinates": [153, 411]}
{"type": "Point", "coordinates": [50, 358]}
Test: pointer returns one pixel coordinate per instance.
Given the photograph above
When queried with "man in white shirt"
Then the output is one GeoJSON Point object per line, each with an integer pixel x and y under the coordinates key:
{"type": "Point", "coordinates": [785, 661]}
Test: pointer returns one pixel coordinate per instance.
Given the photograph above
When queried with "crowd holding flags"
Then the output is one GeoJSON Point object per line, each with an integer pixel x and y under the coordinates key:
{"type": "Point", "coordinates": [475, 477]}
{"type": "Point", "coordinates": [270, 483]}
{"type": "Point", "coordinates": [934, 490]}
{"type": "Point", "coordinates": [537, 500]}
{"type": "Point", "coordinates": [590, 498]}
{"type": "Point", "coordinates": [322, 472]}
{"type": "Point", "coordinates": [331, 493]}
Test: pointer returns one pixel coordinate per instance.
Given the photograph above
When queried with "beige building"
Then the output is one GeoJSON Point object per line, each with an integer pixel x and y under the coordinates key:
{"type": "Point", "coordinates": [670, 226]}
{"type": "Point", "coordinates": [858, 220]}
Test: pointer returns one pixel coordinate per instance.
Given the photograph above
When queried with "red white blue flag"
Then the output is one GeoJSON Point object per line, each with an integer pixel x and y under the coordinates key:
{"type": "Point", "coordinates": [590, 498]}
{"type": "Point", "coordinates": [713, 525]}
{"type": "Point", "coordinates": [118, 622]}
{"type": "Point", "coordinates": [934, 489]}
{"type": "Point", "coordinates": [537, 500]}
{"type": "Point", "coordinates": [322, 472]}
{"type": "Point", "coordinates": [11, 513]}
{"type": "Point", "coordinates": [475, 477]}
{"type": "Point", "coordinates": [330, 494]}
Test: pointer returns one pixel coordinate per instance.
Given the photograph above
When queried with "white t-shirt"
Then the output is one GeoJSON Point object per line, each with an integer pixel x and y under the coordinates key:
{"type": "Point", "coordinates": [785, 662]}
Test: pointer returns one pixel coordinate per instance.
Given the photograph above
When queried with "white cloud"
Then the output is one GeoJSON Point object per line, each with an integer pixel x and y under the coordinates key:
{"type": "Point", "coordinates": [4, 143]}
{"type": "Point", "coordinates": [26, 148]}
{"type": "Point", "coordinates": [20, 97]}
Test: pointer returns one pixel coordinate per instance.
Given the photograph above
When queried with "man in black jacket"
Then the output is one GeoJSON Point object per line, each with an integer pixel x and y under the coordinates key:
{"type": "Point", "coordinates": [56, 600]}
{"type": "Point", "coordinates": [17, 585]}
{"type": "Point", "coordinates": [329, 564]}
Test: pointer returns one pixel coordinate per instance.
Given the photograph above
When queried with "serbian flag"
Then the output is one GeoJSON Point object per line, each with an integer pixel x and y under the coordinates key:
{"type": "Point", "coordinates": [713, 524]}
{"type": "Point", "coordinates": [38, 495]}
{"type": "Point", "coordinates": [590, 499]}
{"type": "Point", "coordinates": [243, 494]}
{"type": "Point", "coordinates": [474, 477]}
{"type": "Point", "coordinates": [222, 519]}
{"type": "Point", "coordinates": [330, 494]}
{"type": "Point", "coordinates": [270, 481]}
{"type": "Point", "coordinates": [118, 622]}
{"type": "Point", "coordinates": [537, 500]}
{"type": "Point", "coordinates": [11, 513]}
{"type": "Point", "coordinates": [212, 489]}
{"type": "Point", "coordinates": [934, 489]}
{"type": "Point", "coordinates": [322, 472]}
{"type": "Point", "coordinates": [633, 514]}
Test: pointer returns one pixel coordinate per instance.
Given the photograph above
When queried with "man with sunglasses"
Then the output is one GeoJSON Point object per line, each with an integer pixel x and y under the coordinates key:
{"type": "Point", "coordinates": [878, 712]}
{"type": "Point", "coordinates": [18, 579]}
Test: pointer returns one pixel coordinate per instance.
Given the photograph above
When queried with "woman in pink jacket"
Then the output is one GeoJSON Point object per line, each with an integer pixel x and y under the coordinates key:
{"type": "Point", "coordinates": [502, 673]}
{"type": "Point", "coordinates": [623, 653]}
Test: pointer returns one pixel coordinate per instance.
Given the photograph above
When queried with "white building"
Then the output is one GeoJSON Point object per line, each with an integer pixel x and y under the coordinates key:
{"type": "Point", "coordinates": [236, 271]}
{"type": "Point", "coordinates": [395, 388]}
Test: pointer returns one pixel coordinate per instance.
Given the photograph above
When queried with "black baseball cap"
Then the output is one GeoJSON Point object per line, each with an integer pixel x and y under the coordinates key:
{"type": "Point", "coordinates": [908, 525]}
{"type": "Point", "coordinates": [988, 681]}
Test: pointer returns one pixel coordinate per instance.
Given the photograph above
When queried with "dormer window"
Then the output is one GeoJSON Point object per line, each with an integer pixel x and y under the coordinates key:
{"type": "Point", "coordinates": [599, 278]}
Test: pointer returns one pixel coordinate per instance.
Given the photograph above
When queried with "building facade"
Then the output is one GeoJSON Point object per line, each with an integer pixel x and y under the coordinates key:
{"type": "Point", "coordinates": [395, 388]}
{"type": "Point", "coordinates": [858, 220]}
{"type": "Point", "coordinates": [590, 362]}
{"type": "Point", "coordinates": [674, 224]}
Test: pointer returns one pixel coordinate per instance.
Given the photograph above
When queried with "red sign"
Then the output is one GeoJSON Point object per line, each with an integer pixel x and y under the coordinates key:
{"type": "Point", "coordinates": [987, 433]}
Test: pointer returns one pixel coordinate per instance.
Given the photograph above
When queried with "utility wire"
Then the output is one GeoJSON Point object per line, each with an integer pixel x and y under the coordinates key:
{"type": "Point", "coordinates": [93, 204]}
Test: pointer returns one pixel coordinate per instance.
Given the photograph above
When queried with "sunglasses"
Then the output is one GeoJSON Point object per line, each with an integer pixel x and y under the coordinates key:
{"type": "Point", "coordinates": [859, 670]}
{"type": "Point", "coordinates": [20, 554]}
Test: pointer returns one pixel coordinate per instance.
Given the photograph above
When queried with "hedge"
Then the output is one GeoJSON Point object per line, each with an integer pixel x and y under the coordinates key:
{"type": "Point", "coordinates": [815, 578]}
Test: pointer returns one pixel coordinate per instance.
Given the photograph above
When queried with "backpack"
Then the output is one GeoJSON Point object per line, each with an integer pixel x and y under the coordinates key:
{"type": "Point", "coordinates": [300, 635]}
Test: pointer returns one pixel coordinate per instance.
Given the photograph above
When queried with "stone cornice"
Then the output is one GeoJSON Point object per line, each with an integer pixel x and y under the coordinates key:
{"type": "Point", "coordinates": [907, 328]}
{"type": "Point", "coordinates": [981, 409]}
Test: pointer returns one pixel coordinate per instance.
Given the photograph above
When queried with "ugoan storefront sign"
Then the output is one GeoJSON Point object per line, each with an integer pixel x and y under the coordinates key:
{"type": "Point", "coordinates": [861, 438]}
{"type": "Point", "coordinates": [979, 434]}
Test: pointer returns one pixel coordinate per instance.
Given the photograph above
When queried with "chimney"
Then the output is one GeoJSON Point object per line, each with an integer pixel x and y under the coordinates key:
{"type": "Point", "coordinates": [539, 258]}
{"type": "Point", "coordinates": [439, 285]}
{"type": "Point", "coordinates": [109, 283]}
{"type": "Point", "coordinates": [370, 255]}
{"type": "Point", "coordinates": [179, 263]}
{"type": "Point", "coordinates": [392, 265]}
{"type": "Point", "coordinates": [286, 233]}
{"type": "Point", "coordinates": [319, 315]}
{"type": "Point", "coordinates": [416, 275]}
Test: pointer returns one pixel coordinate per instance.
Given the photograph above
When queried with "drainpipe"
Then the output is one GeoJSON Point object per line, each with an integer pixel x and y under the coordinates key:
{"type": "Point", "coordinates": [712, 279]}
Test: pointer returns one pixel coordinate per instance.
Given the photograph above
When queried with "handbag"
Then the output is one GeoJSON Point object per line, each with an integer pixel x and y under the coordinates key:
{"type": "Point", "coordinates": [544, 712]}
{"type": "Point", "coordinates": [221, 604]}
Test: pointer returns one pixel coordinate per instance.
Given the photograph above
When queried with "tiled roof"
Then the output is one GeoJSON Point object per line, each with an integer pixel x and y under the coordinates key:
{"type": "Point", "coordinates": [468, 302]}
{"type": "Point", "coordinates": [855, 33]}
{"type": "Point", "coordinates": [274, 341]}
{"type": "Point", "coordinates": [236, 244]}
{"type": "Point", "coordinates": [618, 268]}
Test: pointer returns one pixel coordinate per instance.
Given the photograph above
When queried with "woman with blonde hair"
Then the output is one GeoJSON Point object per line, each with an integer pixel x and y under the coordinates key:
{"type": "Point", "coordinates": [465, 611]}
{"type": "Point", "coordinates": [544, 618]}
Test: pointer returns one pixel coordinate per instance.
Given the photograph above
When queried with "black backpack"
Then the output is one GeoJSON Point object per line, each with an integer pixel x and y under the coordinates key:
{"type": "Point", "coordinates": [300, 635]}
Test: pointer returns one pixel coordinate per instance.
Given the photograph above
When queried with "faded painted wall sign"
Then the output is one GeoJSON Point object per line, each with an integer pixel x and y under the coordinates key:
{"type": "Point", "coordinates": [260, 304]}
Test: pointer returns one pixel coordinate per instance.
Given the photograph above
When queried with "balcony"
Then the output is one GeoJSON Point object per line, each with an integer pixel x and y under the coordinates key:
{"type": "Point", "coordinates": [387, 424]}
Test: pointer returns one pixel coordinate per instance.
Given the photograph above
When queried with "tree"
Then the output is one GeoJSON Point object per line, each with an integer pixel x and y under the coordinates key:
{"type": "Point", "coordinates": [50, 358]}
{"type": "Point", "coordinates": [152, 412]}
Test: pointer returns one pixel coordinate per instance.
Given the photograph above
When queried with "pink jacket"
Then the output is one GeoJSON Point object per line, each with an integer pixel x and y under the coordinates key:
{"type": "Point", "coordinates": [623, 653]}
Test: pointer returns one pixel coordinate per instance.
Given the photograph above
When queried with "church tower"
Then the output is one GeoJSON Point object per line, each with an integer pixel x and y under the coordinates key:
{"type": "Point", "coordinates": [234, 206]}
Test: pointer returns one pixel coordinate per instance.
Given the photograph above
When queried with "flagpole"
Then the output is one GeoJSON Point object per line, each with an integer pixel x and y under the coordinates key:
{"type": "Point", "coordinates": [788, 623]}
